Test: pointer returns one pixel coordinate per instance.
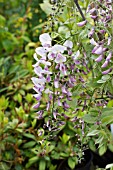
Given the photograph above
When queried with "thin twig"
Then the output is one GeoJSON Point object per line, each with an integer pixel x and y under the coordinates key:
{"type": "Point", "coordinates": [76, 2]}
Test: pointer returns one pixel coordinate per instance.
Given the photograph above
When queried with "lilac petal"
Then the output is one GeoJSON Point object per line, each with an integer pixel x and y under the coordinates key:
{"type": "Point", "coordinates": [37, 96]}
{"type": "Point", "coordinates": [41, 51]}
{"type": "Point", "coordinates": [105, 64]}
{"type": "Point", "coordinates": [58, 49]}
{"type": "Point", "coordinates": [109, 56]}
{"type": "Point", "coordinates": [60, 58]}
{"type": "Point", "coordinates": [109, 41]}
{"type": "Point", "coordinates": [37, 81]}
{"type": "Point", "coordinates": [64, 90]}
{"type": "Point", "coordinates": [59, 102]}
{"type": "Point", "coordinates": [54, 114]}
{"type": "Point", "coordinates": [47, 91]}
{"type": "Point", "coordinates": [36, 106]}
{"type": "Point", "coordinates": [102, 31]}
{"type": "Point", "coordinates": [91, 33]}
{"type": "Point", "coordinates": [70, 52]}
{"type": "Point", "coordinates": [99, 58]}
{"type": "Point", "coordinates": [45, 39]}
{"type": "Point", "coordinates": [99, 50]}
{"type": "Point", "coordinates": [38, 70]}
{"type": "Point", "coordinates": [68, 44]}
{"type": "Point", "coordinates": [56, 83]}
{"type": "Point", "coordinates": [93, 42]}
{"type": "Point", "coordinates": [63, 69]}
{"type": "Point", "coordinates": [48, 106]}
{"type": "Point", "coordinates": [107, 71]}
{"type": "Point", "coordinates": [39, 113]}
{"type": "Point", "coordinates": [93, 16]}
{"type": "Point", "coordinates": [48, 78]}
{"type": "Point", "coordinates": [94, 49]}
{"type": "Point", "coordinates": [81, 24]}
{"type": "Point", "coordinates": [77, 62]}
{"type": "Point", "coordinates": [66, 106]}
{"type": "Point", "coordinates": [38, 88]}
{"type": "Point", "coordinates": [51, 56]}
{"type": "Point", "coordinates": [50, 97]}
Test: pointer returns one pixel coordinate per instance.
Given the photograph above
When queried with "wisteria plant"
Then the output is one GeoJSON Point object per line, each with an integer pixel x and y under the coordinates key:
{"type": "Point", "coordinates": [73, 83]}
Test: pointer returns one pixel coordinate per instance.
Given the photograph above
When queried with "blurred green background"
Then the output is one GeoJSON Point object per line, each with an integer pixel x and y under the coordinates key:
{"type": "Point", "coordinates": [21, 22]}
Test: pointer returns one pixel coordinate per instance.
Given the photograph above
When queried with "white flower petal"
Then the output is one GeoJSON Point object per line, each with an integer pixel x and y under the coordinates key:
{"type": "Point", "coordinates": [68, 44]}
{"type": "Point", "coordinates": [93, 42]}
{"type": "Point", "coordinates": [45, 39]}
{"type": "Point", "coordinates": [41, 51]}
{"type": "Point", "coordinates": [58, 49]}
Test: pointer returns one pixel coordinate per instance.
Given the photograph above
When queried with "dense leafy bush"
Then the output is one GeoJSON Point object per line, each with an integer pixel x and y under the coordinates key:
{"type": "Point", "coordinates": [21, 22]}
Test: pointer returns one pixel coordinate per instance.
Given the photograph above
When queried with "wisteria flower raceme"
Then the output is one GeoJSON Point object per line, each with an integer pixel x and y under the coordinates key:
{"type": "Point", "coordinates": [55, 75]}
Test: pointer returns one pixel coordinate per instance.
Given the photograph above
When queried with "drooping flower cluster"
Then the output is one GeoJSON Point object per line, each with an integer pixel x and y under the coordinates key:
{"type": "Point", "coordinates": [55, 66]}
{"type": "Point", "coordinates": [101, 12]}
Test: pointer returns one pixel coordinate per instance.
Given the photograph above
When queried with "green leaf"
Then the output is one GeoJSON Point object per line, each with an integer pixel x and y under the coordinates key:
{"type": "Point", "coordinates": [110, 104]}
{"type": "Point", "coordinates": [92, 145]}
{"type": "Point", "coordinates": [46, 7]}
{"type": "Point", "coordinates": [65, 138]}
{"type": "Point", "coordinates": [71, 163]}
{"type": "Point", "coordinates": [28, 135]}
{"type": "Point", "coordinates": [109, 166]}
{"type": "Point", "coordinates": [29, 144]}
{"type": "Point", "coordinates": [102, 150]}
{"type": "Point", "coordinates": [107, 120]}
{"type": "Point", "coordinates": [89, 118]}
{"type": "Point", "coordinates": [32, 161]}
{"type": "Point", "coordinates": [93, 133]}
{"type": "Point", "coordinates": [42, 164]}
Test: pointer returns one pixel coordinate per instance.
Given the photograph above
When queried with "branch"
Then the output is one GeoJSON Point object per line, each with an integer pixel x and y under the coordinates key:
{"type": "Point", "coordinates": [76, 2]}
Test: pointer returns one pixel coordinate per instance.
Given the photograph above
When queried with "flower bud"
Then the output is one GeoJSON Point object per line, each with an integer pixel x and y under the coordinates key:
{"type": "Point", "coordinates": [107, 71]}
{"type": "Point", "coordinates": [81, 24]}
{"type": "Point", "coordinates": [105, 64]}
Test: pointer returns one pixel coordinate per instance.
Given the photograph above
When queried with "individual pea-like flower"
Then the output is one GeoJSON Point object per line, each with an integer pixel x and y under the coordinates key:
{"type": "Point", "coordinates": [99, 59]}
{"type": "Point", "coordinates": [60, 58]}
{"type": "Point", "coordinates": [82, 23]}
{"type": "Point", "coordinates": [107, 71]}
{"type": "Point", "coordinates": [45, 39]}
{"type": "Point", "coordinates": [97, 50]}
{"type": "Point", "coordinates": [105, 64]}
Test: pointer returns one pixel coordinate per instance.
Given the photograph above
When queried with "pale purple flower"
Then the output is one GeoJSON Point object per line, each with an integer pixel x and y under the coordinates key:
{"type": "Point", "coordinates": [38, 70]}
{"type": "Point", "coordinates": [48, 106]}
{"type": "Point", "coordinates": [51, 56]}
{"type": "Point", "coordinates": [81, 24]}
{"type": "Point", "coordinates": [76, 55]}
{"type": "Point", "coordinates": [68, 44]}
{"type": "Point", "coordinates": [38, 88]}
{"type": "Point", "coordinates": [41, 52]}
{"type": "Point", "coordinates": [109, 41]}
{"type": "Point", "coordinates": [109, 56]}
{"type": "Point", "coordinates": [48, 91]}
{"type": "Point", "coordinates": [56, 83]}
{"type": "Point", "coordinates": [58, 49]}
{"type": "Point", "coordinates": [37, 96]}
{"type": "Point", "coordinates": [36, 106]}
{"type": "Point", "coordinates": [99, 59]}
{"type": "Point", "coordinates": [37, 81]}
{"type": "Point", "coordinates": [105, 64]}
{"type": "Point", "coordinates": [48, 78]}
{"type": "Point", "coordinates": [60, 58]}
{"type": "Point", "coordinates": [93, 42]}
{"type": "Point", "coordinates": [66, 106]}
{"type": "Point", "coordinates": [107, 71]}
{"type": "Point", "coordinates": [63, 69]}
{"type": "Point", "coordinates": [59, 102]}
{"type": "Point", "coordinates": [45, 39]}
{"type": "Point", "coordinates": [64, 90]}
{"type": "Point", "coordinates": [98, 51]}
